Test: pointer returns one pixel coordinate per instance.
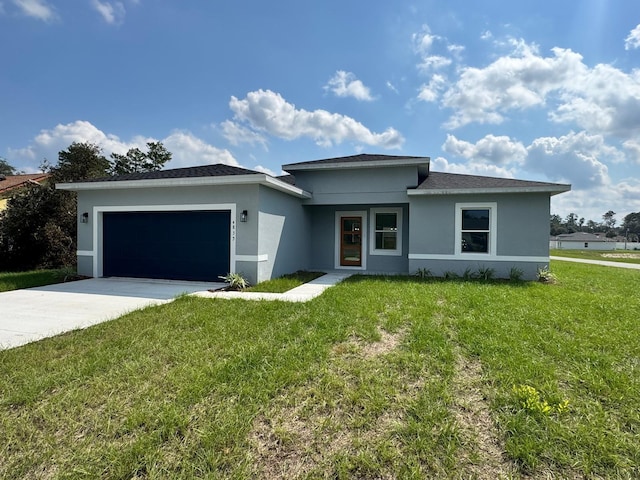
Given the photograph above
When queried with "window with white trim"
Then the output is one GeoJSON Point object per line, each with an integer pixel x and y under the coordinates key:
{"type": "Point", "coordinates": [476, 228]}
{"type": "Point", "coordinates": [386, 231]}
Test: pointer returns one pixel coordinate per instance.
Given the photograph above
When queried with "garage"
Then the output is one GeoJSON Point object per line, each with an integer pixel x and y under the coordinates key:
{"type": "Point", "coordinates": [173, 245]}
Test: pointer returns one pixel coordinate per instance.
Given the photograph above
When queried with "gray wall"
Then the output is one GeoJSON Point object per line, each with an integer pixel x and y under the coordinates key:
{"type": "Point", "coordinates": [244, 196]}
{"type": "Point", "coordinates": [522, 223]}
{"type": "Point", "coordinates": [323, 239]}
{"type": "Point", "coordinates": [283, 234]}
{"type": "Point", "coordinates": [359, 186]}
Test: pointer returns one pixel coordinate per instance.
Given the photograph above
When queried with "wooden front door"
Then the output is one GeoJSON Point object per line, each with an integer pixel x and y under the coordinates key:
{"type": "Point", "coordinates": [351, 241]}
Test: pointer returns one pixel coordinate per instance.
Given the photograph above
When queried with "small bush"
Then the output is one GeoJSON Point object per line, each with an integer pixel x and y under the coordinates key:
{"type": "Point", "coordinates": [423, 273]}
{"type": "Point", "coordinates": [235, 280]}
{"type": "Point", "coordinates": [515, 274]}
{"type": "Point", "coordinates": [485, 273]}
{"type": "Point", "coordinates": [545, 275]}
{"type": "Point", "coordinates": [449, 275]}
{"type": "Point", "coordinates": [468, 274]}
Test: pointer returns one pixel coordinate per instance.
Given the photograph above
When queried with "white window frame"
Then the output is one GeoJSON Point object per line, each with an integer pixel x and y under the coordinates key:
{"type": "Point", "coordinates": [372, 232]}
{"type": "Point", "coordinates": [493, 228]}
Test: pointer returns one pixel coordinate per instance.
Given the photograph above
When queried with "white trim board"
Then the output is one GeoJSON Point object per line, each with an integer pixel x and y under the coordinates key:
{"type": "Point", "coordinates": [478, 258]}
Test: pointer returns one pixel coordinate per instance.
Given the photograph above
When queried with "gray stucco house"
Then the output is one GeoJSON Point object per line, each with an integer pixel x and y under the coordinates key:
{"type": "Point", "coordinates": [365, 213]}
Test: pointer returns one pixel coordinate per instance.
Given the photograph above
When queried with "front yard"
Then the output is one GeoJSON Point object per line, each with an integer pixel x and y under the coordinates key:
{"type": "Point", "coordinates": [377, 378]}
{"type": "Point", "coordinates": [624, 256]}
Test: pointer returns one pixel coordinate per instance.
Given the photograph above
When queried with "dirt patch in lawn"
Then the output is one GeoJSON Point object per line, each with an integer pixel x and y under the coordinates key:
{"type": "Point", "coordinates": [482, 455]}
{"type": "Point", "coordinates": [309, 426]}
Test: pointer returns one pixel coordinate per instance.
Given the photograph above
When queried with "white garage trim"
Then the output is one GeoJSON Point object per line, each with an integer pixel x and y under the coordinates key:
{"type": "Point", "coordinates": [252, 258]}
{"type": "Point", "coordinates": [98, 211]}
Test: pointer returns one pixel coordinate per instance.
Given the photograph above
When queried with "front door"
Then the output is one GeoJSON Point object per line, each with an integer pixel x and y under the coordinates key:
{"type": "Point", "coordinates": [351, 241]}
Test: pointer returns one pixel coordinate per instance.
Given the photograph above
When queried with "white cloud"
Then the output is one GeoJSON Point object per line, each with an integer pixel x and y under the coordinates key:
{"type": "Point", "coordinates": [431, 91]}
{"type": "Point", "coordinates": [602, 100]}
{"type": "Point", "coordinates": [39, 9]}
{"type": "Point", "coordinates": [441, 164]}
{"type": "Point", "coordinates": [633, 148]}
{"type": "Point", "coordinates": [577, 158]}
{"type": "Point", "coordinates": [260, 168]}
{"type": "Point", "coordinates": [112, 12]}
{"type": "Point", "coordinates": [423, 41]}
{"type": "Point", "coordinates": [345, 84]}
{"type": "Point", "coordinates": [633, 40]}
{"type": "Point", "coordinates": [237, 134]}
{"type": "Point", "coordinates": [433, 62]}
{"type": "Point", "coordinates": [392, 87]}
{"type": "Point", "coordinates": [187, 149]}
{"type": "Point", "coordinates": [267, 111]}
{"type": "Point", "coordinates": [623, 198]}
{"type": "Point", "coordinates": [520, 80]}
{"type": "Point", "coordinates": [496, 150]}
{"type": "Point", "coordinates": [486, 35]}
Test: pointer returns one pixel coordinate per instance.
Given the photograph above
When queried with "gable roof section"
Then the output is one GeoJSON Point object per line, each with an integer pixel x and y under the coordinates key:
{"type": "Point", "coordinates": [16, 181]}
{"type": "Point", "coordinates": [438, 183]}
{"type": "Point", "coordinates": [218, 174]}
{"type": "Point", "coordinates": [363, 160]}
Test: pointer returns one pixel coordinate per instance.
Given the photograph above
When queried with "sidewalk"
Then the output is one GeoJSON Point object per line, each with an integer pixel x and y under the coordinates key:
{"type": "Point", "coordinates": [303, 293]}
{"type": "Point", "coordinates": [633, 266]}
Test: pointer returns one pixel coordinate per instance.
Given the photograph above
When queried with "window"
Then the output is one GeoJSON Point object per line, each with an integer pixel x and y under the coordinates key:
{"type": "Point", "coordinates": [386, 231]}
{"type": "Point", "coordinates": [586, 244]}
{"type": "Point", "coordinates": [476, 228]}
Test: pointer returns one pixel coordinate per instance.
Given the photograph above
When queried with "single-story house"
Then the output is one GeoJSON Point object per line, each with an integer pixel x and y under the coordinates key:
{"type": "Point", "coordinates": [10, 183]}
{"type": "Point", "coordinates": [362, 213]}
{"type": "Point", "coordinates": [583, 241]}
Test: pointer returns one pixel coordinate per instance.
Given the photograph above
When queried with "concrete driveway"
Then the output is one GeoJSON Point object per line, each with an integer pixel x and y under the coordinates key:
{"type": "Point", "coordinates": [35, 313]}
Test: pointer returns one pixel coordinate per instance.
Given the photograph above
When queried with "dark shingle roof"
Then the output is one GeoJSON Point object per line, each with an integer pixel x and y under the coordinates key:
{"type": "Point", "coordinates": [361, 158]}
{"type": "Point", "coordinates": [456, 181]}
{"type": "Point", "coordinates": [583, 237]}
{"type": "Point", "coordinates": [217, 170]}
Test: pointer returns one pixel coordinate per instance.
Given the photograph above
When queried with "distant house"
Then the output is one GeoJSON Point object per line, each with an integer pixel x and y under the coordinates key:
{"type": "Point", "coordinates": [10, 183]}
{"type": "Point", "coordinates": [364, 213]}
{"type": "Point", "coordinates": [582, 241]}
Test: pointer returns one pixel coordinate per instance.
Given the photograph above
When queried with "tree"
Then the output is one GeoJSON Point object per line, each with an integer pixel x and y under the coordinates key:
{"type": "Point", "coordinates": [38, 227]}
{"type": "Point", "coordinates": [571, 223]}
{"type": "Point", "coordinates": [135, 160]}
{"type": "Point", "coordinates": [631, 223]}
{"type": "Point", "coordinates": [5, 168]}
{"type": "Point", "coordinates": [610, 222]}
{"type": "Point", "coordinates": [557, 228]}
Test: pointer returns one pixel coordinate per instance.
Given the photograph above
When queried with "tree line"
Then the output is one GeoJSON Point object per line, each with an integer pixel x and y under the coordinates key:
{"type": "Point", "coordinates": [38, 229]}
{"type": "Point", "coordinates": [629, 228]}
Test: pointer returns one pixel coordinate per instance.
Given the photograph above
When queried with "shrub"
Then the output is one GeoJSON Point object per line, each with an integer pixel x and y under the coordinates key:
{"type": "Point", "coordinates": [235, 280]}
{"type": "Point", "coordinates": [423, 273]}
{"type": "Point", "coordinates": [545, 275]}
{"type": "Point", "coordinates": [515, 274]}
{"type": "Point", "coordinates": [485, 273]}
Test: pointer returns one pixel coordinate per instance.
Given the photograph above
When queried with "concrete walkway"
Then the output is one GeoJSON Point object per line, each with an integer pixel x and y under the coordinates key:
{"type": "Point", "coordinates": [633, 266]}
{"type": "Point", "coordinates": [303, 293]}
{"type": "Point", "coordinates": [34, 313]}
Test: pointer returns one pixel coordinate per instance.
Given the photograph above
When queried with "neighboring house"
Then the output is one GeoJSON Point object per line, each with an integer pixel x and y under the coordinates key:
{"type": "Point", "coordinates": [583, 241]}
{"type": "Point", "coordinates": [363, 213]}
{"type": "Point", "coordinates": [10, 183]}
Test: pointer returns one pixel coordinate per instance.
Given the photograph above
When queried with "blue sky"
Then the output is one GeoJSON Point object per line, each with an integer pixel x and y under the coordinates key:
{"type": "Point", "coordinates": [533, 90]}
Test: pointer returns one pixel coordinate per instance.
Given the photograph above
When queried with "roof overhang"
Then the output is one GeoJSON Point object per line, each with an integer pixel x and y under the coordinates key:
{"type": "Point", "coordinates": [253, 179]}
{"type": "Point", "coordinates": [407, 162]}
{"type": "Point", "coordinates": [552, 190]}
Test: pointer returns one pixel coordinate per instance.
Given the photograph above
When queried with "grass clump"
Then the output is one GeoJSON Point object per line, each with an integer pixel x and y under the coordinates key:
{"type": "Point", "coordinates": [286, 282]}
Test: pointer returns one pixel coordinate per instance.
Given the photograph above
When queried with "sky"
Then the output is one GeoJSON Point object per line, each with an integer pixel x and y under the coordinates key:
{"type": "Point", "coordinates": [545, 91]}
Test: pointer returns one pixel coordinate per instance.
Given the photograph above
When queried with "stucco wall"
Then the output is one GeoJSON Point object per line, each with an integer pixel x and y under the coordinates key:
{"type": "Point", "coordinates": [323, 239]}
{"type": "Point", "coordinates": [283, 234]}
{"type": "Point", "coordinates": [522, 236]}
{"type": "Point", "coordinates": [244, 197]}
{"type": "Point", "coordinates": [358, 186]}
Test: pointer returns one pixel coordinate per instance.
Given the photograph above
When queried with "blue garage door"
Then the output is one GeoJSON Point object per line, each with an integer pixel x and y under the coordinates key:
{"type": "Point", "coordinates": [184, 245]}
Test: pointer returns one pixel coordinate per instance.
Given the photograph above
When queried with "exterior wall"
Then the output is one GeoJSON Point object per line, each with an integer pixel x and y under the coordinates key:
{"type": "Point", "coordinates": [590, 245]}
{"type": "Point", "coordinates": [236, 198]}
{"type": "Point", "coordinates": [358, 186]}
{"type": "Point", "coordinates": [323, 246]}
{"type": "Point", "coordinates": [522, 236]}
{"type": "Point", "coordinates": [283, 235]}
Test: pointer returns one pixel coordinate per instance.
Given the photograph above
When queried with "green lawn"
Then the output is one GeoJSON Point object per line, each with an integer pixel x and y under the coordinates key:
{"type": "Point", "coordinates": [36, 278]}
{"type": "Point", "coordinates": [624, 256]}
{"type": "Point", "coordinates": [376, 378]}
{"type": "Point", "coordinates": [286, 282]}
